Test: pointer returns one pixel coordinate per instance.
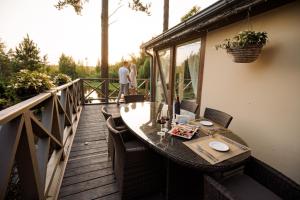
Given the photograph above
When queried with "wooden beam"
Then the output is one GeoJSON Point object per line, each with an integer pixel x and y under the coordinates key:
{"type": "Point", "coordinates": [201, 72]}
{"type": "Point", "coordinates": [153, 78]}
{"type": "Point", "coordinates": [9, 139]}
{"type": "Point", "coordinates": [172, 78]}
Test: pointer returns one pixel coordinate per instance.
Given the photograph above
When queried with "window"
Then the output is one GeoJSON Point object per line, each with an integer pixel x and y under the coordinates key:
{"type": "Point", "coordinates": [162, 77]}
{"type": "Point", "coordinates": [187, 70]}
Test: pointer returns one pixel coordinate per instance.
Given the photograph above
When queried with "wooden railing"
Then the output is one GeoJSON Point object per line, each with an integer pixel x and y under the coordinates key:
{"type": "Point", "coordinates": [35, 140]}
{"type": "Point", "coordinates": [106, 90]}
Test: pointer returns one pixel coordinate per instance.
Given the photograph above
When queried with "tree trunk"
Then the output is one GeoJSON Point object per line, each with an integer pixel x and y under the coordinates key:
{"type": "Point", "coordinates": [166, 15]}
{"type": "Point", "coordinates": [104, 46]}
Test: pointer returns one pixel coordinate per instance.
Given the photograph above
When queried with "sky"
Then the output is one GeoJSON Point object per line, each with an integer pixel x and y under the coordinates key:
{"type": "Point", "coordinates": [63, 31]}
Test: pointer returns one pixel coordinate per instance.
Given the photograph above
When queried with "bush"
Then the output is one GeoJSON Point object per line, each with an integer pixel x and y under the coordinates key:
{"type": "Point", "coordinates": [2, 89]}
{"type": "Point", "coordinates": [29, 83]}
{"type": "Point", "coordinates": [3, 103]}
{"type": "Point", "coordinates": [61, 79]}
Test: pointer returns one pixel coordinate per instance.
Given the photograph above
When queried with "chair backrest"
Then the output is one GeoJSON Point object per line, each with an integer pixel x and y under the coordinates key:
{"type": "Point", "coordinates": [189, 106]}
{"type": "Point", "coordinates": [217, 116]}
{"type": "Point", "coordinates": [105, 113]}
{"type": "Point", "coordinates": [134, 98]}
{"type": "Point", "coordinates": [115, 134]}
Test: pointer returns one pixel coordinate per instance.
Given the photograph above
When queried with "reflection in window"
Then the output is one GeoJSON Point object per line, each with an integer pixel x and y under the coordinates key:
{"type": "Point", "coordinates": [164, 57]}
{"type": "Point", "coordinates": [187, 68]}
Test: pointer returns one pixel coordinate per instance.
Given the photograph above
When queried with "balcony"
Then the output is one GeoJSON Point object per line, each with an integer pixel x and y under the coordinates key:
{"type": "Point", "coordinates": [54, 144]}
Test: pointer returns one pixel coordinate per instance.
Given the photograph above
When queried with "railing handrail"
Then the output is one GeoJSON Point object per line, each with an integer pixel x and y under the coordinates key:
{"type": "Point", "coordinates": [15, 110]}
{"type": "Point", "coordinates": [142, 79]}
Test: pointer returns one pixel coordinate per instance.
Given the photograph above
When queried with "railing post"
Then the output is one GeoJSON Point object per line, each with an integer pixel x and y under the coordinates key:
{"type": "Point", "coordinates": [106, 90]}
{"type": "Point", "coordinates": [82, 92]}
{"type": "Point", "coordinates": [146, 89]}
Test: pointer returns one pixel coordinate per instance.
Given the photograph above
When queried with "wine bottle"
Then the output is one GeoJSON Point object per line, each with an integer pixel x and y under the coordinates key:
{"type": "Point", "coordinates": [177, 106]}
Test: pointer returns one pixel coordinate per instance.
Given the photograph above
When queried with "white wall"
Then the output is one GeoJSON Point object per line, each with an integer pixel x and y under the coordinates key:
{"type": "Point", "coordinates": [264, 96]}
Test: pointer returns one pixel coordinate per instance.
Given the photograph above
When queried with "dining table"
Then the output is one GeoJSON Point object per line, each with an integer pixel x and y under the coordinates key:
{"type": "Point", "coordinates": [141, 119]}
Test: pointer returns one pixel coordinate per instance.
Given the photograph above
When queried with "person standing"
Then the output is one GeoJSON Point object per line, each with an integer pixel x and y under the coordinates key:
{"type": "Point", "coordinates": [124, 80]}
{"type": "Point", "coordinates": [132, 75]}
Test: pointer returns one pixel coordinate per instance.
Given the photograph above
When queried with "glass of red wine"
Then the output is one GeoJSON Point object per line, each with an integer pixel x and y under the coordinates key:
{"type": "Point", "coordinates": [161, 120]}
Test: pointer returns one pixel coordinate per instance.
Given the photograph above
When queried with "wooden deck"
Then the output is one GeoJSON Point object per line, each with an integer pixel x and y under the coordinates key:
{"type": "Point", "coordinates": [89, 173]}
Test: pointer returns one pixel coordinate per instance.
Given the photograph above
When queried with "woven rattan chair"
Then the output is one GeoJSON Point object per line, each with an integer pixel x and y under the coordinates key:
{"type": "Point", "coordinates": [137, 169]}
{"type": "Point", "coordinates": [217, 116]}
{"type": "Point", "coordinates": [134, 98]}
{"type": "Point", "coordinates": [259, 181]}
{"type": "Point", "coordinates": [118, 123]}
{"type": "Point", "coordinates": [189, 106]}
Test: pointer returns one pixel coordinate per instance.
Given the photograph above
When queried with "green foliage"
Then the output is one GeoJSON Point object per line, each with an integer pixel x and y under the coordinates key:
{"type": "Point", "coordinates": [76, 4]}
{"type": "Point", "coordinates": [3, 103]}
{"type": "Point", "coordinates": [61, 79]}
{"type": "Point", "coordinates": [67, 66]}
{"type": "Point", "coordinates": [244, 39]}
{"type": "Point", "coordinates": [5, 63]}
{"type": "Point", "coordinates": [137, 5]}
{"type": "Point", "coordinates": [194, 10]}
{"type": "Point", "coordinates": [29, 83]}
{"type": "Point", "coordinates": [144, 70]}
{"type": "Point", "coordinates": [27, 56]}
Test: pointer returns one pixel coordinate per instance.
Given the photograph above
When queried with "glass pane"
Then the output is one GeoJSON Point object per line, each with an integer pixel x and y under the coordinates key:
{"type": "Point", "coordinates": [187, 68]}
{"type": "Point", "coordinates": [164, 57]}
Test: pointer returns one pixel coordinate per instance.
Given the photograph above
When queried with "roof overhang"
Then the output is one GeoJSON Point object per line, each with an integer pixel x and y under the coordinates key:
{"type": "Point", "coordinates": [219, 14]}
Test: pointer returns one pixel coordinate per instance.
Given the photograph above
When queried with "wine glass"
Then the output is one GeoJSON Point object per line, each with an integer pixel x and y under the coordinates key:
{"type": "Point", "coordinates": [161, 120]}
{"type": "Point", "coordinates": [165, 116]}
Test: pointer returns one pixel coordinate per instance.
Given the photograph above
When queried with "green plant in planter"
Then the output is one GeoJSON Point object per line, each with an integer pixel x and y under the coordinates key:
{"type": "Point", "coordinates": [61, 79]}
{"type": "Point", "coordinates": [29, 83]}
{"type": "Point", "coordinates": [245, 46]}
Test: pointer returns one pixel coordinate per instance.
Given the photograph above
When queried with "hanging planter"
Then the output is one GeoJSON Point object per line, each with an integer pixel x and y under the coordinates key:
{"type": "Point", "coordinates": [245, 47]}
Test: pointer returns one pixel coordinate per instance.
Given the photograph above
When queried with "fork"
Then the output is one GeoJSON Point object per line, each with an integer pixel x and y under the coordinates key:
{"type": "Point", "coordinates": [234, 143]}
{"type": "Point", "coordinates": [200, 149]}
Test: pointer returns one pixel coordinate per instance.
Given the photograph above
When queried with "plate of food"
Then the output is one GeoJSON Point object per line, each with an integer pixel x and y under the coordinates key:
{"type": "Point", "coordinates": [183, 131]}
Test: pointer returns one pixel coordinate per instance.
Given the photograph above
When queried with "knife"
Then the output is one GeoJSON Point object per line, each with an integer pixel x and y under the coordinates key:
{"type": "Point", "coordinates": [200, 149]}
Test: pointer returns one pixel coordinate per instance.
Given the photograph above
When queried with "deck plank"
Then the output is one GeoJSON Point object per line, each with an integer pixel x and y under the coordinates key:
{"type": "Point", "coordinates": [89, 173]}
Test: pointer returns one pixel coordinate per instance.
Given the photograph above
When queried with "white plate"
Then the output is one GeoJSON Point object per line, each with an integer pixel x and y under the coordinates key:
{"type": "Point", "coordinates": [206, 123]}
{"type": "Point", "coordinates": [219, 146]}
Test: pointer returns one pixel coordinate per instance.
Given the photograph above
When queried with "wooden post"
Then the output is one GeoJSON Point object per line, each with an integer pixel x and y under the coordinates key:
{"type": "Point", "coordinates": [153, 78]}
{"type": "Point", "coordinates": [104, 46]}
{"type": "Point", "coordinates": [172, 78]}
{"type": "Point", "coordinates": [201, 70]}
{"type": "Point", "coordinates": [82, 92]}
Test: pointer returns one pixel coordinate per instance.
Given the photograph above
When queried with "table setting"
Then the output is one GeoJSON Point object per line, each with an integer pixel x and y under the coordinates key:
{"type": "Point", "coordinates": [213, 147]}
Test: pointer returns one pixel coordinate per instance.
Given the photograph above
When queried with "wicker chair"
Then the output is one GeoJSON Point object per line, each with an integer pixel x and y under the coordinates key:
{"type": "Point", "coordinates": [259, 181]}
{"type": "Point", "coordinates": [217, 116]}
{"type": "Point", "coordinates": [134, 98]}
{"type": "Point", "coordinates": [189, 106]}
{"type": "Point", "coordinates": [118, 123]}
{"type": "Point", "coordinates": [138, 170]}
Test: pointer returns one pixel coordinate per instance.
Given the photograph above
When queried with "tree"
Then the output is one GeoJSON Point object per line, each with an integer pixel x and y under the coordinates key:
{"type": "Point", "coordinates": [194, 10]}
{"type": "Point", "coordinates": [166, 16]}
{"type": "Point", "coordinates": [27, 56]}
{"type": "Point", "coordinates": [67, 65]}
{"type": "Point", "coordinates": [5, 64]}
